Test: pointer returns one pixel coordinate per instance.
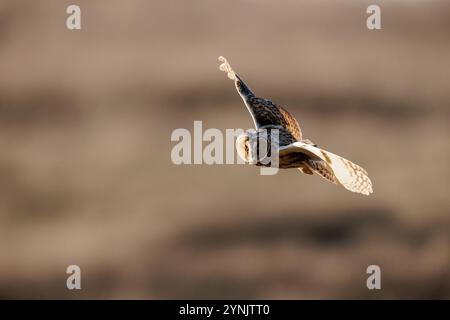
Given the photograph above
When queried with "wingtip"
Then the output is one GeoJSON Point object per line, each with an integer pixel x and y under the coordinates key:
{"type": "Point", "coordinates": [225, 67]}
{"type": "Point", "coordinates": [367, 192]}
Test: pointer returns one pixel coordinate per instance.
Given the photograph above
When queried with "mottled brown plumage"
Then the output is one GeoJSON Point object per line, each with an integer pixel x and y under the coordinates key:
{"type": "Point", "coordinates": [268, 115]}
{"type": "Point", "coordinates": [292, 150]}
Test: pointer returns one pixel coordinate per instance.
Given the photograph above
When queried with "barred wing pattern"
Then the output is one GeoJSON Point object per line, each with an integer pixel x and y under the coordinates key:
{"type": "Point", "coordinates": [264, 112]}
{"type": "Point", "coordinates": [338, 169]}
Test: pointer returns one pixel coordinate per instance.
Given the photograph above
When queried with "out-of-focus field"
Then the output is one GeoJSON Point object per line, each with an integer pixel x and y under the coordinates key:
{"type": "Point", "coordinates": [86, 176]}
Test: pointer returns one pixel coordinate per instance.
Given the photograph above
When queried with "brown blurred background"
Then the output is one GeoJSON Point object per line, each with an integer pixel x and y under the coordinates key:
{"type": "Point", "coordinates": [86, 176]}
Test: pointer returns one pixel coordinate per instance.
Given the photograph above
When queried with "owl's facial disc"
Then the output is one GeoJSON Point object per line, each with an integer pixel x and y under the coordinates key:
{"type": "Point", "coordinates": [244, 148]}
{"type": "Point", "coordinates": [251, 147]}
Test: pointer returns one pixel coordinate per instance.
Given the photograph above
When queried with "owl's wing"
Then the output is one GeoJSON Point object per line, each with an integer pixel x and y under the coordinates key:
{"type": "Point", "coordinates": [264, 112]}
{"type": "Point", "coordinates": [333, 167]}
{"type": "Point", "coordinates": [321, 168]}
{"type": "Point", "coordinates": [267, 113]}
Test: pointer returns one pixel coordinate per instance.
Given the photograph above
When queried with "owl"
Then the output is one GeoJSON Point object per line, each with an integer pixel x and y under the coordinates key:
{"type": "Point", "coordinates": [292, 150]}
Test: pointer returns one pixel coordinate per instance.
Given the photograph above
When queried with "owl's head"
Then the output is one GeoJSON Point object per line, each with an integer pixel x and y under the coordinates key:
{"type": "Point", "coordinates": [248, 147]}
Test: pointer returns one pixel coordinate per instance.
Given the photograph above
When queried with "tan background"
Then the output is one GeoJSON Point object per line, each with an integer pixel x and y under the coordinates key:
{"type": "Point", "coordinates": [85, 170]}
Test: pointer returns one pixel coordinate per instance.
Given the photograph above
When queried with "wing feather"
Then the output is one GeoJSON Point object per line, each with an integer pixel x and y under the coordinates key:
{"type": "Point", "coordinates": [263, 112]}
{"type": "Point", "coordinates": [348, 174]}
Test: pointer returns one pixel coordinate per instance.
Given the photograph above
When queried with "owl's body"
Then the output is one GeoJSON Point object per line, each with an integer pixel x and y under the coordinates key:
{"type": "Point", "coordinates": [293, 151]}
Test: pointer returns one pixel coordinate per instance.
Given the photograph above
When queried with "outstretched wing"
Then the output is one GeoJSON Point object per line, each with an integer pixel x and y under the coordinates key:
{"type": "Point", "coordinates": [333, 167]}
{"type": "Point", "coordinates": [264, 112]}
{"type": "Point", "coordinates": [267, 113]}
{"type": "Point", "coordinates": [321, 168]}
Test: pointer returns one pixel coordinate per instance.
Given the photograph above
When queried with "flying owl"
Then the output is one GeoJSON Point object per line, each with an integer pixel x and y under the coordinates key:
{"type": "Point", "coordinates": [293, 150]}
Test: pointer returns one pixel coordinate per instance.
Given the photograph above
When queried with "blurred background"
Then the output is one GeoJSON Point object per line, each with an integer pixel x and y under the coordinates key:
{"type": "Point", "coordinates": [86, 176]}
